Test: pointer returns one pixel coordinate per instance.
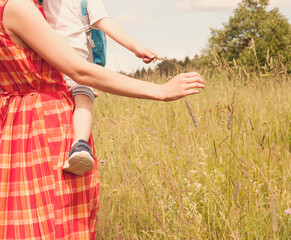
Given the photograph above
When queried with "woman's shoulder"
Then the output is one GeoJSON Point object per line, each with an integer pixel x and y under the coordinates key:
{"type": "Point", "coordinates": [18, 10]}
{"type": "Point", "coordinates": [18, 5]}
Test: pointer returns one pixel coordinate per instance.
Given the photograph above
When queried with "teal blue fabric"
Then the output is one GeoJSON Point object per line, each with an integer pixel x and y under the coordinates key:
{"type": "Point", "coordinates": [99, 39]}
{"type": "Point", "coordinates": [84, 8]}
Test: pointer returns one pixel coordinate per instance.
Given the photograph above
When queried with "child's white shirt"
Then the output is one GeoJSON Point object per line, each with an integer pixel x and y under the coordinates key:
{"type": "Point", "coordinates": [65, 17]}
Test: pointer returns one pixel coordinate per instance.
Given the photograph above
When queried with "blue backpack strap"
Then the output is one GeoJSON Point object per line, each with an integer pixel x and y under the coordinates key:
{"type": "Point", "coordinates": [97, 40]}
{"type": "Point", "coordinates": [84, 7]}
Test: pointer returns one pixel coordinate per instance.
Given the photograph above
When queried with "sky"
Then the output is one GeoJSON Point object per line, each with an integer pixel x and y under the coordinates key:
{"type": "Point", "coordinates": [172, 28]}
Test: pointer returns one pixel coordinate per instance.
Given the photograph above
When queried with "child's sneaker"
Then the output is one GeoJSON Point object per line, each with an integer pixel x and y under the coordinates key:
{"type": "Point", "coordinates": [80, 159]}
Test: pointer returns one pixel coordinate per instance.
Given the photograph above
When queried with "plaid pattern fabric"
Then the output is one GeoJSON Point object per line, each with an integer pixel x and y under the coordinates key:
{"type": "Point", "coordinates": [37, 199]}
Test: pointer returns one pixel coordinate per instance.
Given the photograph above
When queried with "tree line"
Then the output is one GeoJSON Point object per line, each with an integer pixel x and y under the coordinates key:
{"type": "Point", "coordinates": [253, 37]}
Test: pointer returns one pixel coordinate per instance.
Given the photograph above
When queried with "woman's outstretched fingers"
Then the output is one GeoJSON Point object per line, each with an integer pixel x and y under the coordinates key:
{"type": "Point", "coordinates": [191, 92]}
{"type": "Point", "coordinates": [192, 74]}
{"type": "Point", "coordinates": [195, 85]}
{"type": "Point", "coordinates": [195, 80]}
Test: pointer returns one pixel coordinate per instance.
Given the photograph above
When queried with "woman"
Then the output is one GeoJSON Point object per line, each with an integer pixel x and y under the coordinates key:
{"type": "Point", "coordinates": [37, 199]}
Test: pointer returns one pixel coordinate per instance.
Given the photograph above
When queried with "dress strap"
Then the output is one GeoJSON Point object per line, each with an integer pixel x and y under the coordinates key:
{"type": "Point", "coordinates": [2, 5]}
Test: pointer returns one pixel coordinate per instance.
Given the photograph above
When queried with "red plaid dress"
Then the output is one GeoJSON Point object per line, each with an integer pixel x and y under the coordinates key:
{"type": "Point", "coordinates": [37, 199]}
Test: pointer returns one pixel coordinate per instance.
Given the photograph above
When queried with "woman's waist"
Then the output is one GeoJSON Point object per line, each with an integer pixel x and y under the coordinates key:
{"type": "Point", "coordinates": [12, 102]}
{"type": "Point", "coordinates": [33, 91]}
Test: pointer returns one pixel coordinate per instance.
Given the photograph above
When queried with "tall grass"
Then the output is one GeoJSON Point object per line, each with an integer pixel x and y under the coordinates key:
{"type": "Point", "coordinates": [228, 177]}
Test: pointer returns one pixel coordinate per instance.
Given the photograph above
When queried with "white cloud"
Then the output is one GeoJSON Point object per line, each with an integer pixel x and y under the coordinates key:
{"type": "Point", "coordinates": [206, 5]}
{"type": "Point", "coordinates": [197, 5]}
{"type": "Point", "coordinates": [129, 19]}
{"type": "Point", "coordinates": [148, 3]}
{"type": "Point", "coordinates": [280, 3]}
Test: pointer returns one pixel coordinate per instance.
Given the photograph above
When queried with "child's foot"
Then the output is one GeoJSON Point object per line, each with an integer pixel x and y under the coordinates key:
{"type": "Point", "coordinates": [80, 159]}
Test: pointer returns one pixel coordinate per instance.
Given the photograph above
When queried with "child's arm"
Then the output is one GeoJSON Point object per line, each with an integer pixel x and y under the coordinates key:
{"type": "Point", "coordinates": [118, 34]}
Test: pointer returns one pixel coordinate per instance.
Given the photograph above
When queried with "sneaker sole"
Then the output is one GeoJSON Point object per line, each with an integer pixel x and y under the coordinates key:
{"type": "Point", "coordinates": [79, 163]}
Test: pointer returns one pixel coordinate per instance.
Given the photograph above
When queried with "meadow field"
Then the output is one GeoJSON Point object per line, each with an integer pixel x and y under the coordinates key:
{"type": "Point", "coordinates": [211, 166]}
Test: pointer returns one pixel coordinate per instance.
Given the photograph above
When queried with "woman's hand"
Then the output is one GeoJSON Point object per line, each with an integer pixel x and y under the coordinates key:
{"type": "Point", "coordinates": [182, 85]}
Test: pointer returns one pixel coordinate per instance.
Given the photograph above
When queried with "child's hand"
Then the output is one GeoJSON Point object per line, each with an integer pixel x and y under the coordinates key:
{"type": "Point", "coordinates": [146, 54]}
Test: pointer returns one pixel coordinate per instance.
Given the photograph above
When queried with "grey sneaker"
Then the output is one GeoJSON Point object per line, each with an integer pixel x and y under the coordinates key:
{"type": "Point", "coordinates": [80, 159]}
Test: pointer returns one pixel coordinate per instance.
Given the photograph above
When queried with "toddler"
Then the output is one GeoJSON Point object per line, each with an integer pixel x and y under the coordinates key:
{"type": "Point", "coordinates": [65, 17]}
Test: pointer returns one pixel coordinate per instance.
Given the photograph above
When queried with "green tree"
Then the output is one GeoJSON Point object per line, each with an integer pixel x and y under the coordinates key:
{"type": "Point", "coordinates": [269, 29]}
{"type": "Point", "coordinates": [167, 68]}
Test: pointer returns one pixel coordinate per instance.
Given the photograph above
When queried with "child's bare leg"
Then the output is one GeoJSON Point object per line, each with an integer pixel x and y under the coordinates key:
{"type": "Point", "coordinates": [80, 158]}
{"type": "Point", "coordinates": [83, 117]}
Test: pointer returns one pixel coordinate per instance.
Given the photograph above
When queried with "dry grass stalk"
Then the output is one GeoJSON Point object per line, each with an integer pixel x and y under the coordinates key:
{"type": "Point", "coordinates": [161, 224]}
{"type": "Point", "coordinates": [162, 58]}
{"type": "Point", "coordinates": [235, 64]}
{"type": "Point", "coordinates": [230, 117]}
{"type": "Point", "coordinates": [216, 62]}
{"type": "Point", "coordinates": [228, 225]}
{"type": "Point", "coordinates": [231, 111]}
{"type": "Point", "coordinates": [236, 191]}
{"type": "Point", "coordinates": [229, 120]}
{"type": "Point", "coordinates": [251, 123]}
{"type": "Point", "coordinates": [272, 203]}
{"type": "Point", "coordinates": [273, 212]}
{"type": "Point", "coordinates": [191, 112]}
{"type": "Point", "coordinates": [253, 46]}
{"type": "Point", "coordinates": [215, 55]}
{"type": "Point", "coordinates": [227, 67]}
{"type": "Point", "coordinates": [246, 73]}
{"type": "Point", "coordinates": [262, 142]}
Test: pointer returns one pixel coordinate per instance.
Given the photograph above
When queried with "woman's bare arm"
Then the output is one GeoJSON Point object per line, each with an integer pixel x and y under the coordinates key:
{"type": "Point", "coordinates": [23, 20]}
